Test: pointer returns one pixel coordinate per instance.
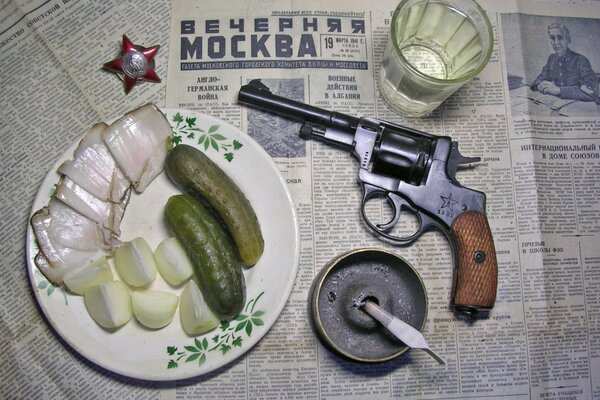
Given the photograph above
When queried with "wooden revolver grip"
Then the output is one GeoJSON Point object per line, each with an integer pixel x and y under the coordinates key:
{"type": "Point", "coordinates": [475, 277]}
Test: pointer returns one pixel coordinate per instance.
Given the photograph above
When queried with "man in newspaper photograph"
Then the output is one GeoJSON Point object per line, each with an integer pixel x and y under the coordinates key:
{"type": "Point", "coordinates": [565, 83]}
{"type": "Point", "coordinates": [567, 74]}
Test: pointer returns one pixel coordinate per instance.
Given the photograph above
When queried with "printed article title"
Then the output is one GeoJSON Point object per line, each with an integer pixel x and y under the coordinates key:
{"type": "Point", "coordinates": [229, 40]}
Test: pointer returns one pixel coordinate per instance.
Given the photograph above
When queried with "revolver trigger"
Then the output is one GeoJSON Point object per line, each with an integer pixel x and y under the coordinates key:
{"type": "Point", "coordinates": [427, 223]}
{"type": "Point", "coordinates": [455, 159]}
{"type": "Point", "coordinates": [370, 191]}
{"type": "Point", "coordinates": [397, 203]}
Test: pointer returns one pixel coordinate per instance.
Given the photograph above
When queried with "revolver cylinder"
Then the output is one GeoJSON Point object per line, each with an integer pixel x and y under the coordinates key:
{"type": "Point", "coordinates": [401, 154]}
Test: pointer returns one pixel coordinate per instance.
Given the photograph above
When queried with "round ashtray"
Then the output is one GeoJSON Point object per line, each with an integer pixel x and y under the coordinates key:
{"type": "Point", "coordinates": [350, 279]}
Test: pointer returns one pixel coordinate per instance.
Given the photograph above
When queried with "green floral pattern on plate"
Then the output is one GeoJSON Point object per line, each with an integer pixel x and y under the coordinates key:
{"type": "Point", "coordinates": [44, 285]}
{"type": "Point", "coordinates": [228, 336]}
{"type": "Point", "coordinates": [184, 128]}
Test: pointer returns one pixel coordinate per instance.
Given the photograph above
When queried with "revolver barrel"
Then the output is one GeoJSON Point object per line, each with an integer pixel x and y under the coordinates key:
{"type": "Point", "coordinates": [258, 95]}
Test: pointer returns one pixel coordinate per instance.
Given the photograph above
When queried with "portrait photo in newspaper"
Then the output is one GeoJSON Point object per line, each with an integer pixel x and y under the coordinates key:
{"type": "Point", "coordinates": [278, 136]}
{"type": "Point", "coordinates": [552, 64]}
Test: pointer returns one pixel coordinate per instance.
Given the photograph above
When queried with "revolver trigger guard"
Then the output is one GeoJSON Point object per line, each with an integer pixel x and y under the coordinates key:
{"type": "Point", "coordinates": [398, 204]}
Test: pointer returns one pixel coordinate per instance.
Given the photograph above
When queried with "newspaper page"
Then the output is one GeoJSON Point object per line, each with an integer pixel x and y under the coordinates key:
{"type": "Point", "coordinates": [539, 166]}
{"type": "Point", "coordinates": [539, 170]}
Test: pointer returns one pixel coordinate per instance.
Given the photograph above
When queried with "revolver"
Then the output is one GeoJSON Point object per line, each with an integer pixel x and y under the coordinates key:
{"type": "Point", "coordinates": [416, 173]}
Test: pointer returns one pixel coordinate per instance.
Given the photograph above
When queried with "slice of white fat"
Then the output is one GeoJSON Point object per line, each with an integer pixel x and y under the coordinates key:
{"type": "Point", "coordinates": [54, 258]}
{"type": "Point", "coordinates": [71, 229]}
{"type": "Point", "coordinates": [138, 143]}
{"type": "Point", "coordinates": [105, 213]}
{"type": "Point", "coordinates": [94, 169]}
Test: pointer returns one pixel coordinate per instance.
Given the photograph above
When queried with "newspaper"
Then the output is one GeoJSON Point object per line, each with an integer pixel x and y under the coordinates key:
{"type": "Point", "coordinates": [539, 169]}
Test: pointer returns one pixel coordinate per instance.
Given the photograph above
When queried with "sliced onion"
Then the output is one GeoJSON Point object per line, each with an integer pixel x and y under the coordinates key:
{"type": "Point", "coordinates": [154, 309]}
{"type": "Point", "coordinates": [109, 304]}
{"type": "Point", "coordinates": [172, 262]}
{"type": "Point", "coordinates": [135, 262]}
{"type": "Point", "coordinates": [196, 318]}
{"type": "Point", "coordinates": [79, 279]}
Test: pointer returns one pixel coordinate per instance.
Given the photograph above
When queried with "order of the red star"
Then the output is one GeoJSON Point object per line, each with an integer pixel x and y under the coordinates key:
{"type": "Point", "coordinates": [135, 64]}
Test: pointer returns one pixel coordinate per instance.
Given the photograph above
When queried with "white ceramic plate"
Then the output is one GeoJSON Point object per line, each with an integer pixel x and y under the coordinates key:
{"type": "Point", "coordinates": [168, 353]}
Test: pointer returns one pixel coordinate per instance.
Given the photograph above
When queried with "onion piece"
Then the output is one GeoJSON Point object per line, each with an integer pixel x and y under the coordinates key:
{"type": "Point", "coordinates": [109, 304]}
{"type": "Point", "coordinates": [172, 261]}
{"type": "Point", "coordinates": [154, 309]}
{"type": "Point", "coordinates": [195, 315]}
{"type": "Point", "coordinates": [79, 279]}
{"type": "Point", "coordinates": [135, 262]}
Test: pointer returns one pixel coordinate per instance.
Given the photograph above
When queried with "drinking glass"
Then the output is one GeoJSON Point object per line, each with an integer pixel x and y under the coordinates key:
{"type": "Point", "coordinates": [434, 47]}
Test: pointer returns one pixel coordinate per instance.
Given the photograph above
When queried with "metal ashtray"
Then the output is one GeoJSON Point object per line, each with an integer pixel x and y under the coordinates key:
{"type": "Point", "coordinates": [353, 278]}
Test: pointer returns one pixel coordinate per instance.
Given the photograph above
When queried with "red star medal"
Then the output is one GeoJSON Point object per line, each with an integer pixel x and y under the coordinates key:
{"type": "Point", "coordinates": [136, 63]}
